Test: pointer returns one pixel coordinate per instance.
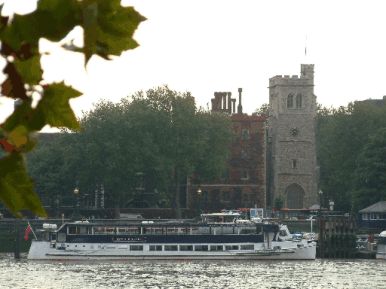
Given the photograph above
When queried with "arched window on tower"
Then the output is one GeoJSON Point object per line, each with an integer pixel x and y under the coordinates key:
{"type": "Point", "coordinates": [290, 101]}
{"type": "Point", "coordinates": [298, 100]}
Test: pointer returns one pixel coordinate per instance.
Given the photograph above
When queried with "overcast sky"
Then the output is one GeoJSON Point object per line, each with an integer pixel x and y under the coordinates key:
{"type": "Point", "coordinates": [203, 46]}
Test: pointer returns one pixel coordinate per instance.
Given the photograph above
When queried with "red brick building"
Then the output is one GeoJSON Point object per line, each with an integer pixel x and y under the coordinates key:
{"type": "Point", "coordinates": [243, 185]}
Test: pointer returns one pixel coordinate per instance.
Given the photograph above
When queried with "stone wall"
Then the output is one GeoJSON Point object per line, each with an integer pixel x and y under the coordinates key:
{"type": "Point", "coordinates": [291, 139]}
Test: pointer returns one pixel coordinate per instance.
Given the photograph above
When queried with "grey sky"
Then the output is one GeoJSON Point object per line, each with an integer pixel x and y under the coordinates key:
{"type": "Point", "coordinates": [204, 46]}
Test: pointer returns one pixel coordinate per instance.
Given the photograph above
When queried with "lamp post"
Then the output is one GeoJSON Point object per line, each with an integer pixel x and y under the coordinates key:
{"type": "Point", "coordinates": [321, 224]}
{"type": "Point", "coordinates": [57, 206]}
{"type": "Point", "coordinates": [76, 211]}
{"type": "Point", "coordinates": [320, 201]}
{"type": "Point", "coordinates": [199, 192]}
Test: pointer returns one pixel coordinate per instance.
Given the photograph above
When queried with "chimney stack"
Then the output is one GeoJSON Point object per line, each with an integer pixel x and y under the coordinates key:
{"type": "Point", "coordinates": [240, 107]}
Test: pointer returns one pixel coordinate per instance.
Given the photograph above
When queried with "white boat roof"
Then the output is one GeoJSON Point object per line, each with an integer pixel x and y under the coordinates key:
{"type": "Point", "coordinates": [223, 214]}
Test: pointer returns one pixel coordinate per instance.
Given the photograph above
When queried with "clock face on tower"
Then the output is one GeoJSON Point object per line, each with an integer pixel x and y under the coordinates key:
{"type": "Point", "coordinates": [294, 131]}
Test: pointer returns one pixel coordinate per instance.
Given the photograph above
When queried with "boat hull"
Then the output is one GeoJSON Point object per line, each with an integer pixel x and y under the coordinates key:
{"type": "Point", "coordinates": [43, 250]}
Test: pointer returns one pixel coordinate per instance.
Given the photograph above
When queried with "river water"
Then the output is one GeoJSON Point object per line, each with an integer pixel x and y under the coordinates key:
{"type": "Point", "coordinates": [326, 274]}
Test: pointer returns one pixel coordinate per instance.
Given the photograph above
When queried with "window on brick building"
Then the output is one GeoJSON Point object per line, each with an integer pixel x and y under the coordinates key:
{"type": "Point", "coordinates": [245, 134]}
{"type": "Point", "coordinates": [294, 163]}
{"type": "Point", "coordinates": [244, 175]}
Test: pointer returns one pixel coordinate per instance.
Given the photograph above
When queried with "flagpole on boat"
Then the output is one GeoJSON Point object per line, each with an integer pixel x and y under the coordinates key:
{"type": "Point", "coordinates": [32, 230]}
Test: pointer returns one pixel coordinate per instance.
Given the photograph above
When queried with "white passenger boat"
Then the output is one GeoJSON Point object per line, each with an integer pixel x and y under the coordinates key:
{"type": "Point", "coordinates": [169, 240]}
{"type": "Point", "coordinates": [381, 246]}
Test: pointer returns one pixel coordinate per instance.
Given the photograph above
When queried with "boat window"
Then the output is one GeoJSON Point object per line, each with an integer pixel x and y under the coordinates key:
{"type": "Point", "coordinates": [152, 230]}
{"type": "Point", "coordinates": [158, 231]}
{"type": "Point", "coordinates": [172, 230]}
{"type": "Point", "coordinates": [110, 230]}
{"type": "Point", "coordinates": [231, 247]}
{"type": "Point", "coordinates": [183, 231]}
{"type": "Point", "coordinates": [171, 248]}
{"type": "Point", "coordinates": [217, 230]}
{"type": "Point", "coordinates": [73, 230]}
{"type": "Point", "coordinates": [155, 247]}
{"type": "Point", "coordinates": [136, 247]}
{"type": "Point", "coordinates": [99, 230]}
{"type": "Point", "coordinates": [132, 230]}
{"type": "Point", "coordinates": [246, 231]}
{"type": "Point", "coordinates": [201, 248]}
{"type": "Point", "coordinates": [121, 231]}
{"type": "Point", "coordinates": [247, 247]}
{"type": "Point", "coordinates": [186, 248]}
{"type": "Point", "coordinates": [193, 231]}
{"type": "Point", "coordinates": [228, 230]}
{"type": "Point", "coordinates": [216, 248]}
{"type": "Point", "coordinates": [201, 231]}
{"type": "Point", "coordinates": [61, 237]}
{"type": "Point", "coordinates": [83, 230]}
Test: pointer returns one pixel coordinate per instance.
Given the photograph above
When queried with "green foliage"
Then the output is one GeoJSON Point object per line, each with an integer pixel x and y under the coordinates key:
{"type": "Point", "coordinates": [16, 188]}
{"type": "Point", "coordinates": [55, 107]}
{"type": "Point", "coordinates": [278, 203]}
{"type": "Point", "coordinates": [108, 30]}
{"type": "Point", "coordinates": [371, 171]}
{"type": "Point", "coordinates": [342, 135]}
{"type": "Point", "coordinates": [263, 110]}
{"type": "Point", "coordinates": [158, 134]}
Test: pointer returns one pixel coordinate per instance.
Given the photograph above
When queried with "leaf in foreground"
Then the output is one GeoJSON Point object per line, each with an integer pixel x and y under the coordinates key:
{"type": "Point", "coordinates": [109, 28]}
{"type": "Point", "coordinates": [16, 187]}
{"type": "Point", "coordinates": [56, 108]}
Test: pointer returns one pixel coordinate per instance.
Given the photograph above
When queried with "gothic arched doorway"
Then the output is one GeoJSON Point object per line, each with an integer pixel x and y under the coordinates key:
{"type": "Point", "coordinates": [295, 196]}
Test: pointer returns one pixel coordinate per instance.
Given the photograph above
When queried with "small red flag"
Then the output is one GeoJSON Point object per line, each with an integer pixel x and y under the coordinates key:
{"type": "Point", "coordinates": [27, 231]}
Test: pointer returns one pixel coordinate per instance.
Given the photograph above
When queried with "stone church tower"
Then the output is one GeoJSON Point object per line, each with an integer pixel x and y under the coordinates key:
{"type": "Point", "coordinates": [291, 152]}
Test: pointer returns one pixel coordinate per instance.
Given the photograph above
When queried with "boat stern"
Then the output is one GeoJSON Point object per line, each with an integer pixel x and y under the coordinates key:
{"type": "Point", "coordinates": [39, 250]}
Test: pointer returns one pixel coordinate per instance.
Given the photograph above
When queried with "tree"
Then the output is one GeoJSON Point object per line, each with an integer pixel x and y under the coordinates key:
{"type": "Point", "coordinates": [108, 29]}
{"type": "Point", "coordinates": [158, 134]}
{"type": "Point", "coordinates": [341, 136]}
{"type": "Point", "coordinates": [278, 203]}
{"type": "Point", "coordinates": [371, 171]}
{"type": "Point", "coordinates": [263, 110]}
{"type": "Point", "coordinates": [188, 137]}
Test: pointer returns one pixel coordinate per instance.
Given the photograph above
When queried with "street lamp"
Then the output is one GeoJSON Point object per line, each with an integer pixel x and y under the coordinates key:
{"type": "Point", "coordinates": [320, 200]}
{"type": "Point", "coordinates": [76, 211]}
{"type": "Point", "coordinates": [321, 226]}
{"type": "Point", "coordinates": [199, 192]}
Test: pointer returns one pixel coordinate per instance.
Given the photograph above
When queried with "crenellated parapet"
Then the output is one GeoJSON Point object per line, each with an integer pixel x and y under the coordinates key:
{"type": "Point", "coordinates": [305, 79]}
